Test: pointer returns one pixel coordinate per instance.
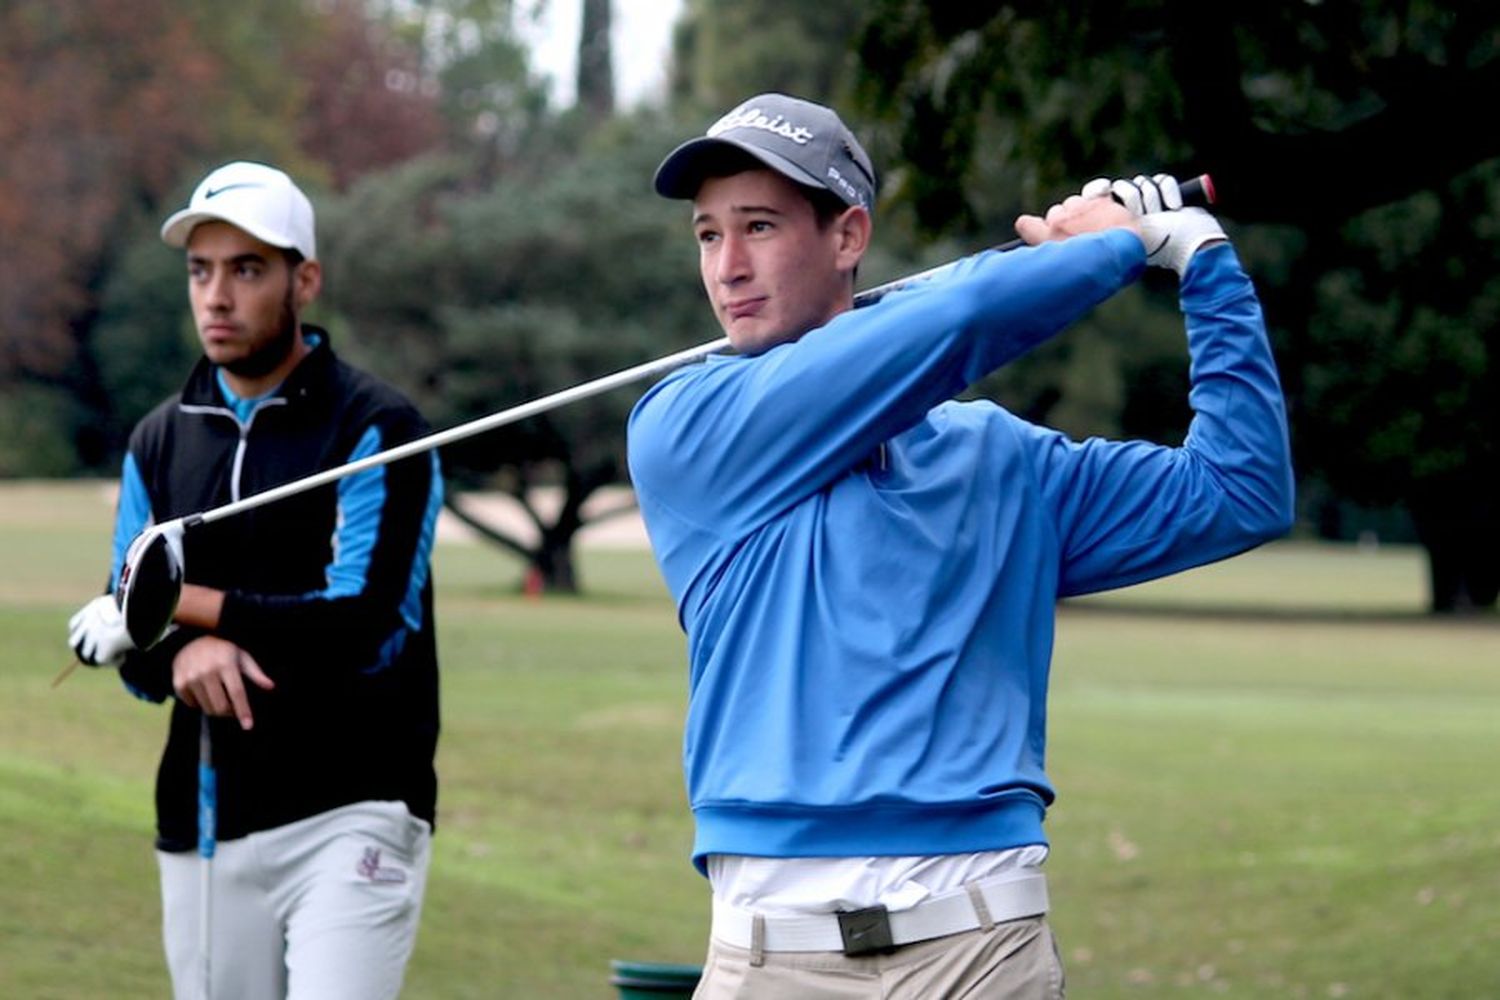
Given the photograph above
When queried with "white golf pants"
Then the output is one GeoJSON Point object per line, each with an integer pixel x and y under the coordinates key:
{"type": "Point", "coordinates": [322, 909]}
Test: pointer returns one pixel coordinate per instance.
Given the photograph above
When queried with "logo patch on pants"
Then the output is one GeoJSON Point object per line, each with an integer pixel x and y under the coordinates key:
{"type": "Point", "coordinates": [369, 867]}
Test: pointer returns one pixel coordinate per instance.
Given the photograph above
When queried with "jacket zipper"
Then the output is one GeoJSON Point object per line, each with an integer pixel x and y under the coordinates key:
{"type": "Point", "coordinates": [244, 433]}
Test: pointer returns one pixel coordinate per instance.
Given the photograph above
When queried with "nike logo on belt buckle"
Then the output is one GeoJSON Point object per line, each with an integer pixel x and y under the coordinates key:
{"type": "Point", "coordinates": [866, 931]}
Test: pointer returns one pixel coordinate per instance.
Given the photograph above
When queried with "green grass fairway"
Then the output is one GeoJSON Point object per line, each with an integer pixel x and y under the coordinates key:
{"type": "Point", "coordinates": [1277, 778]}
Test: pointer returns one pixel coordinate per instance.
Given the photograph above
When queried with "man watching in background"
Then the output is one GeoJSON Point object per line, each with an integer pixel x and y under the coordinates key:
{"type": "Point", "coordinates": [304, 631]}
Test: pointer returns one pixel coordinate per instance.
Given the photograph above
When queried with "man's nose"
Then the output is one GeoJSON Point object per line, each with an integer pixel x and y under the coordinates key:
{"type": "Point", "coordinates": [216, 291]}
{"type": "Point", "coordinates": [734, 261]}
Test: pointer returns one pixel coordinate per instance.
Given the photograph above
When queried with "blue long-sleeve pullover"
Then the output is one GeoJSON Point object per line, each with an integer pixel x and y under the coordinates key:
{"type": "Point", "coordinates": [867, 571]}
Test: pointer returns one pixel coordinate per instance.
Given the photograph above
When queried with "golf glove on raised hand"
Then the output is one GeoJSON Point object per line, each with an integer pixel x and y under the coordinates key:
{"type": "Point", "coordinates": [1172, 233]}
{"type": "Point", "coordinates": [97, 633]}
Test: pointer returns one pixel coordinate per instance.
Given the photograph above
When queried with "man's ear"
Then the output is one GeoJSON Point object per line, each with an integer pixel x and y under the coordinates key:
{"type": "Point", "coordinates": [852, 231]}
{"type": "Point", "coordinates": [307, 282]}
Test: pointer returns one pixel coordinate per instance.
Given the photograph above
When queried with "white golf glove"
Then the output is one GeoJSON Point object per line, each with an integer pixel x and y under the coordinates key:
{"type": "Point", "coordinates": [1172, 233]}
{"type": "Point", "coordinates": [97, 633]}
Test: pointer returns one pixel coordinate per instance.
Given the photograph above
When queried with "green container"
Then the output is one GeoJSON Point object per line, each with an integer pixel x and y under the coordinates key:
{"type": "Point", "coordinates": [653, 980]}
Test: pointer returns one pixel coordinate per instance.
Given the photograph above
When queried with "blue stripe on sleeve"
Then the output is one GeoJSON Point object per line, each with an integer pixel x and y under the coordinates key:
{"type": "Point", "coordinates": [361, 497]}
{"type": "Point", "coordinates": [411, 607]}
{"type": "Point", "coordinates": [132, 514]}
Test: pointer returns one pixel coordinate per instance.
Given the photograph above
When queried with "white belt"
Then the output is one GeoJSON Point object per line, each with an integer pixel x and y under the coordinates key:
{"type": "Point", "coordinates": [979, 904]}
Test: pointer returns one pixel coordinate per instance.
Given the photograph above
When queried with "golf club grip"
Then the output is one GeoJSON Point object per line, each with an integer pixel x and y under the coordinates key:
{"type": "Point", "coordinates": [208, 792]}
{"type": "Point", "coordinates": [208, 831]}
{"type": "Point", "coordinates": [1197, 192]}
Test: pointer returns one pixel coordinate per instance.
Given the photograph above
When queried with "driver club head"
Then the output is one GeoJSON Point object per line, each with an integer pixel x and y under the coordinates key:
{"type": "Point", "coordinates": [151, 583]}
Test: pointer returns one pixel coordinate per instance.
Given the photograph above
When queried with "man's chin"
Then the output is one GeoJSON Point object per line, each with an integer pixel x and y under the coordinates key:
{"type": "Point", "coordinates": [754, 338]}
{"type": "Point", "coordinates": [223, 355]}
{"type": "Point", "coordinates": [252, 365]}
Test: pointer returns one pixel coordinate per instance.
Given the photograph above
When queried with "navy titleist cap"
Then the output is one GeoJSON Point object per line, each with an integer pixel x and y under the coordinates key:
{"type": "Point", "coordinates": [798, 139]}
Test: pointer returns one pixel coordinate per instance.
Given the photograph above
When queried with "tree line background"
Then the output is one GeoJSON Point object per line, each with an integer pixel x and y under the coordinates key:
{"type": "Point", "coordinates": [483, 247]}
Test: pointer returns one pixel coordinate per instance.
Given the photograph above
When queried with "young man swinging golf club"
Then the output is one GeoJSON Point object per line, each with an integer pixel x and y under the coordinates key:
{"type": "Point", "coordinates": [867, 571]}
{"type": "Point", "coordinates": [304, 630]}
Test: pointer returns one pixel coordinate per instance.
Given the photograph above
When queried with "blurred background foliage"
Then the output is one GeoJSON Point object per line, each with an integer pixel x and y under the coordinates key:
{"type": "Point", "coordinates": [484, 246]}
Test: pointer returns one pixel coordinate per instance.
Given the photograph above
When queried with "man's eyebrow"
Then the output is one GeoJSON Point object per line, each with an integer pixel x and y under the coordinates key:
{"type": "Point", "coordinates": [242, 258]}
{"type": "Point", "coordinates": [741, 210]}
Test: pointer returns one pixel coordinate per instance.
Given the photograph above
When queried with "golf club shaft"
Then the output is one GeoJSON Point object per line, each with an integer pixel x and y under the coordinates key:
{"type": "Point", "coordinates": [520, 412]}
{"type": "Point", "coordinates": [462, 431]}
{"type": "Point", "coordinates": [1195, 191]}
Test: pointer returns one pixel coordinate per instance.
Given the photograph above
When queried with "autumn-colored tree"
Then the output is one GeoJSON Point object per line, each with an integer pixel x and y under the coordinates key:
{"type": "Point", "coordinates": [96, 114]}
{"type": "Point", "coordinates": [96, 110]}
{"type": "Point", "coordinates": [367, 102]}
{"type": "Point", "coordinates": [468, 51]}
{"type": "Point", "coordinates": [109, 111]}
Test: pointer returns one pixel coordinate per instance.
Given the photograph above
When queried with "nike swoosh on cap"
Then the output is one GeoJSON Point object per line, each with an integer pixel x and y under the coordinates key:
{"type": "Point", "coordinates": [215, 192]}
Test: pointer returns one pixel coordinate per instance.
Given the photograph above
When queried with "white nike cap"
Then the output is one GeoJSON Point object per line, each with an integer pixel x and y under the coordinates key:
{"type": "Point", "coordinates": [259, 199]}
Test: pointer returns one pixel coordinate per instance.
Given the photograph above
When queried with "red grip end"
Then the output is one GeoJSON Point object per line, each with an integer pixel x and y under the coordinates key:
{"type": "Point", "coordinates": [1207, 183]}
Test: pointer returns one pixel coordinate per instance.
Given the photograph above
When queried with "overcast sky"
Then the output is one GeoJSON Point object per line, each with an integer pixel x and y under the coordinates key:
{"type": "Point", "coordinates": [642, 44]}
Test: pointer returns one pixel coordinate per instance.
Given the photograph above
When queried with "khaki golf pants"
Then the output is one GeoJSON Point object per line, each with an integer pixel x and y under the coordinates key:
{"type": "Point", "coordinates": [1016, 960]}
{"type": "Point", "coordinates": [325, 908]}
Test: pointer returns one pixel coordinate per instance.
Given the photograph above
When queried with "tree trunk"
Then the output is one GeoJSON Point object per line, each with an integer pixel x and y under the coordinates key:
{"type": "Point", "coordinates": [550, 563]}
{"type": "Point", "coordinates": [554, 555]}
{"type": "Point", "coordinates": [554, 561]}
{"type": "Point", "coordinates": [1461, 533]}
{"type": "Point", "coordinates": [596, 75]}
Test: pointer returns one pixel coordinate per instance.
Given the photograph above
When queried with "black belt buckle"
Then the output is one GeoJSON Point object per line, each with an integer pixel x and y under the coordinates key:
{"type": "Point", "coordinates": [866, 931]}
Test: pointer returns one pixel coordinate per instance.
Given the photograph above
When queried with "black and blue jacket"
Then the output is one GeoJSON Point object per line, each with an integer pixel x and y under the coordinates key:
{"type": "Point", "coordinates": [329, 591]}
